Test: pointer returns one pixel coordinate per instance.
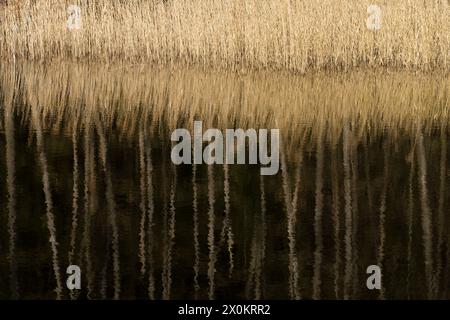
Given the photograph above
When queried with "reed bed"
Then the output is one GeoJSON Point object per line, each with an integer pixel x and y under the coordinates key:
{"type": "Point", "coordinates": [298, 36]}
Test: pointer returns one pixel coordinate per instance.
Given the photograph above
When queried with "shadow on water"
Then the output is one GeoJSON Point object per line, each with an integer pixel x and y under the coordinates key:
{"type": "Point", "coordinates": [86, 179]}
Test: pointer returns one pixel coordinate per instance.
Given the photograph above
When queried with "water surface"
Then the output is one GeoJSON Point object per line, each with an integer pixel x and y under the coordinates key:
{"type": "Point", "coordinates": [86, 179]}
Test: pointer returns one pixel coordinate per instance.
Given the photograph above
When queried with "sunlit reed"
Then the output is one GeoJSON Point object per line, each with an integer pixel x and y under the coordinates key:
{"type": "Point", "coordinates": [297, 36]}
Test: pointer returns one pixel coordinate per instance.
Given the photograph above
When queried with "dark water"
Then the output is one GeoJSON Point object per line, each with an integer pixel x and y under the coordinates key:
{"type": "Point", "coordinates": [140, 227]}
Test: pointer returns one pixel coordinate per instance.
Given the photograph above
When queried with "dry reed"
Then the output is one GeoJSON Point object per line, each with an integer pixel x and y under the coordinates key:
{"type": "Point", "coordinates": [234, 34]}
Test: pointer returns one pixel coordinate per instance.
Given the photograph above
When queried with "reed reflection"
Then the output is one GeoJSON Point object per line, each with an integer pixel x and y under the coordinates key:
{"type": "Point", "coordinates": [355, 188]}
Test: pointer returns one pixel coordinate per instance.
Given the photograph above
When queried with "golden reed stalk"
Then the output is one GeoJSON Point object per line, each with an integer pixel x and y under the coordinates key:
{"type": "Point", "coordinates": [289, 35]}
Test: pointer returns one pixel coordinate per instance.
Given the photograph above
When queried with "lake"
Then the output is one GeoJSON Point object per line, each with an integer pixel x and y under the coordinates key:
{"type": "Point", "coordinates": [86, 179]}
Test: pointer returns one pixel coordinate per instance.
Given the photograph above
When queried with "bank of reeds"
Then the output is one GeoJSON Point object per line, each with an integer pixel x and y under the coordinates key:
{"type": "Point", "coordinates": [232, 34]}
